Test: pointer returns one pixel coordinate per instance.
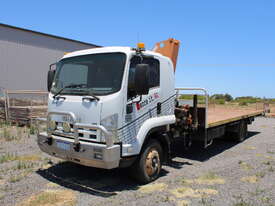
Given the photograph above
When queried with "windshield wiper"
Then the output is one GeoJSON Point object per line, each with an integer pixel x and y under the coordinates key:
{"type": "Point", "coordinates": [76, 86]}
{"type": "Point", "coordinates": [70, 86]}
{"type": "Point", "coordinates": [92, 95]}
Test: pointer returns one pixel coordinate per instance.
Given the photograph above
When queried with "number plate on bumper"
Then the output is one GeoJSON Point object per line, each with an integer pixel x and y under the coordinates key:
{"type": "Point", "coordinates": [63, 145]}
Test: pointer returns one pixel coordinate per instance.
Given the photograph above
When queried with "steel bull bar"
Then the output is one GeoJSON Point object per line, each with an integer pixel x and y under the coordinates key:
{"type": "Point", "coordinates": [102, 155]}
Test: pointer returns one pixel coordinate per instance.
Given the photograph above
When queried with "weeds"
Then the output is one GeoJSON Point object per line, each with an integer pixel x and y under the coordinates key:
{"type": "Point", "coordinates": [7, 135]}
{"type": "Point", "coordinates": [265, 199]}
{"type": "Point", "coordinates": [32, 129]}
{"type": "Point", "coordinates": [15, 178]}
{"type": "Point", "coordinates": [260, 174]}
{"type": "Point", "coordinates": [271, 169]}
{"type": "Point", "coordinates": [209, 176]}
{"type": "Point", "coordinates": [23, 165]}
{"type": "Point", "coordinates": [4, 123]}
{"type": "Point", "coordinates": [206, 202]}
{"type": "Point", "coordinates": [266, 163]}
{"type": "Point", "coordinates": [52, 197]}
{"type": "Point", "coordinates": [11, 133]}
{"type": "Point", "coordinates": [241, 201]}
{"type": "Point", "coordinates": [257, 192]}
{"type": "Point", "coordinates": [245, 165]}
{"type": "Point", "coordinates": [7, 157]}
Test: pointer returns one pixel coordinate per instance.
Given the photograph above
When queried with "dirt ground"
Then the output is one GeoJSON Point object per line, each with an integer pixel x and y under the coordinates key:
{"type": "Point", "coordinates": [226, 173]}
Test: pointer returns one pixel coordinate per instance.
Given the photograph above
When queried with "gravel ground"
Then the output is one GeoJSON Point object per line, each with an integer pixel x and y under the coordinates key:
{"type": "Point", "coordinates": [225, 174]}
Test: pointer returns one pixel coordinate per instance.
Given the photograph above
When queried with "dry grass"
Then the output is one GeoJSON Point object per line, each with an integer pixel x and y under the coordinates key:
{"type": "Point", "coordinates": [18, 177]}
{"type": "Point", "coordinates": [24, 165]}
{"type": "Point", "coordinates": [7, 157]}
{"type": "Point", "coordinates": [250, 147]}
{"type": "Point", "coordinates": [52, 185]}
{"type": "Point", "coordinates": [9, 132]}
{"type": "Point", "coordinates": [182, 203]}
{"type": "Point", "coordinates": [193, 193]}
{"type": "Point", "coordinates": [245, 166]}
{"type": "Point", "coordinates": [13, 133]}
{"type": "Point", "coordinates": [51, 198]}
{"type": "Point", "coordinates": [209, 178]}
{"type": "Point", "coordinates": [32, 157]}
{"type": "Point", "coordinates": [250, 179]}
{"type": "Point", "coordinates": [152, 187]}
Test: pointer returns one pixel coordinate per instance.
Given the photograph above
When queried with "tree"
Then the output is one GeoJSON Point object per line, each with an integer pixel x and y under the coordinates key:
{"type": "Point", "coordinates": [228, 97]}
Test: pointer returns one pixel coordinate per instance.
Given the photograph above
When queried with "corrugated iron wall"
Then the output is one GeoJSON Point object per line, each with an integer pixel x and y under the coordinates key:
{"type": "Point", "coordinates": [25, 57]}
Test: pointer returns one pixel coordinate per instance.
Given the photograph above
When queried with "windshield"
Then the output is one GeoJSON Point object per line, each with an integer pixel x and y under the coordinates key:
{"type": "Point", "coordinates": [100, 73]}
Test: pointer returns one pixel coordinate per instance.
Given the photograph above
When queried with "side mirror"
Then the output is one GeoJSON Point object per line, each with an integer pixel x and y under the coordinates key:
{"type": "Point", "coordinates": [51, 74]}
{"type": "Point", "coordinates": [142, 79]}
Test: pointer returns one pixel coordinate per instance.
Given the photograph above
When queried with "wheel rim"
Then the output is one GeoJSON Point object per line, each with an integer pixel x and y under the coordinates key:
{"type": "Point", "coordinates": [152, 162]}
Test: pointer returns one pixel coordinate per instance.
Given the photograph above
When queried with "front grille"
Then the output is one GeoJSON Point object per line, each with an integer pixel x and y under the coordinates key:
{"type": "Point", "coordinates": [82, 133]}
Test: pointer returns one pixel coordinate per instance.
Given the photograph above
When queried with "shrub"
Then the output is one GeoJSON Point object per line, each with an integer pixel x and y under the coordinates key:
{"type": "Point", "coordinates": [220, 101]}
{"type": "Point", "coordinates": [243, 103]}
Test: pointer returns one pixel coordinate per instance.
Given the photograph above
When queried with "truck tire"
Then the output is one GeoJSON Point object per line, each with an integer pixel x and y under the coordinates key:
{"type": "Point", "coordinates": [242, 131]}
{"type": "Point", "coordinates": [148, 165]}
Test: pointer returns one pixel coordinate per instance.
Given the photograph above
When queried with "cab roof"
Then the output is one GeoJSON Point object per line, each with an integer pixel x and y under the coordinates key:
{"type": "Point", "coordinates": [126, 50]}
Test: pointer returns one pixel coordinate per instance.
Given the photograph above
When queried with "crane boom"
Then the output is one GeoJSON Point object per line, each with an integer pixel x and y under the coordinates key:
{"type": "Point", "coordinates": [168, 48]}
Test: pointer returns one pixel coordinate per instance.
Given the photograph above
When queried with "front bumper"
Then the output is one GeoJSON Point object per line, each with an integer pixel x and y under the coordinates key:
{"type": "Point", "coordinates": [89, 154]}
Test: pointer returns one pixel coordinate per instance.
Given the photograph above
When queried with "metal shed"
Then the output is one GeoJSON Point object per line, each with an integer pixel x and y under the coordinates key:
{"type": "Point", "coordinates": [25, 56]}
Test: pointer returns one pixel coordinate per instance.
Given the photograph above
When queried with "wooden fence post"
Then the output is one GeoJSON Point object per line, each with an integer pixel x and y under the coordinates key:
{"type": "Point", "coordinates": [6, 105]}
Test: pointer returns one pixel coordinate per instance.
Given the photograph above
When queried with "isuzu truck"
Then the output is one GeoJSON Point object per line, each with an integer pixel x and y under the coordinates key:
{"type": "Point", "coordinates": [113, 107]}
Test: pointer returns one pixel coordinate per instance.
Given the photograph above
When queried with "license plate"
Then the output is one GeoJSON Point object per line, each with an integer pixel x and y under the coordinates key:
{"type": "Point", "coordinates": [63, 145]}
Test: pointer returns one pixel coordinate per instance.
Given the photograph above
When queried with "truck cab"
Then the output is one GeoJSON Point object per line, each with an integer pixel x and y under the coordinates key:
{"type": "Point", "coordinates": [111, 107]}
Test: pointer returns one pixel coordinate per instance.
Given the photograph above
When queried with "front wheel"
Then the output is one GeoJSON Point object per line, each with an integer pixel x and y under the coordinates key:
{"type": "Point", "coordinates": [147, 167]}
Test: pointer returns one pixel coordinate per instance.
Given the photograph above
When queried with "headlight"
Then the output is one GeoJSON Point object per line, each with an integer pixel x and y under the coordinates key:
{"type": "Point", "coordinates": [110, 123]}
{"type": "Point", "coordinates": [52, 125]}
{"type": "Point", "coordinates": [66, 127]}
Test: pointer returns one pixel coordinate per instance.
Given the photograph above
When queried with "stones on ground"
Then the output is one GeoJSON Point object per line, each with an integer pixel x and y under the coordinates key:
{"type": "Point", "coordinates": [250, 179]}
{"type": "Point", "coordinates": [152, 187]}
{"type": "Point", "coordinates": [51, 198]}
{"type": "Point", "coordinates": [193, 193]}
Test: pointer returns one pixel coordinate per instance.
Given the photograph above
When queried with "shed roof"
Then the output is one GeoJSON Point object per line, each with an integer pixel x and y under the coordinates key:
{"type": "Point", "coordinates": [49, 35]}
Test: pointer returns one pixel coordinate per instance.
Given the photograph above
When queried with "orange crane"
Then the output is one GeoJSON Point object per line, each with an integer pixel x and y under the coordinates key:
{"type": "Point", "coordinates": [168, 48]}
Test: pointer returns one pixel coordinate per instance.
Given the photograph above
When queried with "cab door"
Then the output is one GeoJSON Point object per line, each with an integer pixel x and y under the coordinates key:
{"type": "Point", "coordinates": [139, 108]}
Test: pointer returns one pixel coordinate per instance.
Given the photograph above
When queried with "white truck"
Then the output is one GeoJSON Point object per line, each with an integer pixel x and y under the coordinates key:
{"type": "Point", "coordinates": [115, 107]}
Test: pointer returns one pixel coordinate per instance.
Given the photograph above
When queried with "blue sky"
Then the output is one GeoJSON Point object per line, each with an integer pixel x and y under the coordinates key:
{"type": "Point", "coordinates": [226, 46]}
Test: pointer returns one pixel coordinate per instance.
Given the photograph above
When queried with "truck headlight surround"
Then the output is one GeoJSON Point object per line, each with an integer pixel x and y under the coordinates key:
{"type": "Point", "coordinates": [111, 124]}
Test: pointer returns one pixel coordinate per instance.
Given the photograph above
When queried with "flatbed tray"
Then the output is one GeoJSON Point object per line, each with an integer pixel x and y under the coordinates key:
{"type": "Point", "coordinates": [222, 115]}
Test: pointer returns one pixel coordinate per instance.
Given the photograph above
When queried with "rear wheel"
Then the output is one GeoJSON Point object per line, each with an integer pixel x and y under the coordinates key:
{"type": "Point", "coordinates": [147, 167]}
{"type": "Point", "coordinates": [237, 132]}
{"type": "Point", "coordinates": [242, 133]}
